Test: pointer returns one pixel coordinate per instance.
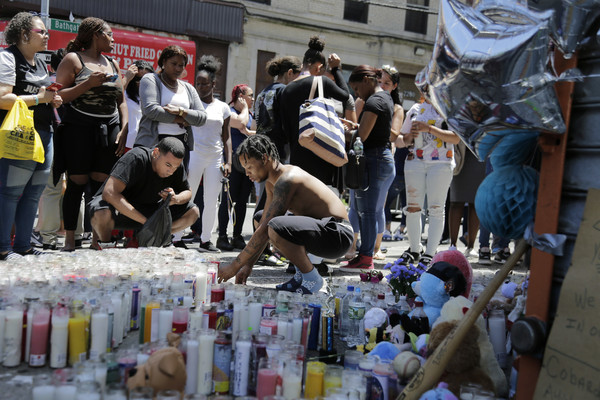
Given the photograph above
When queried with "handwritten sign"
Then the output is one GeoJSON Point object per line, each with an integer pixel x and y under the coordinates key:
{"type": "Point", "coordinates": [571, 367]}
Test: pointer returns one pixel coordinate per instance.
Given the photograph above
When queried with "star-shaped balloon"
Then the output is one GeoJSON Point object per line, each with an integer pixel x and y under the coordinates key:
{"type": "Point", "coordinates": [572, 19]}
{"type": "Point", "coordinates": [488, 70]}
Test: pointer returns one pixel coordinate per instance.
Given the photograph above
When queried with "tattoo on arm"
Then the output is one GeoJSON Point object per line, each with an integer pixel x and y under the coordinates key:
{"type": "Point", "coordinates": [277, 207]}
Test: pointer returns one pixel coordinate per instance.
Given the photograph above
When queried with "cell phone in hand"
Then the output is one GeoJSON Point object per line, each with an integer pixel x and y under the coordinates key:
{"type": "Point", "coordinates": [54, 87]}
{"type": "Point", "coordinates": [112, 78]}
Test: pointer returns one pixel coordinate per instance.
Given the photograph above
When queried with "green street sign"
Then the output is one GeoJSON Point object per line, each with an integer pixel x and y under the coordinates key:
{"type": "Point", "coordinates": [64, 26]}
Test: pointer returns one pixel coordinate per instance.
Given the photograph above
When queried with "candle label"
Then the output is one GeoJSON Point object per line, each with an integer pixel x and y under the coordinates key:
{"type": "Point", "coordinates": [268, 310]}
{"type": "Point", "coordinates": [37, 360]}
{"type": "Point", "coordinates": [221, 366]}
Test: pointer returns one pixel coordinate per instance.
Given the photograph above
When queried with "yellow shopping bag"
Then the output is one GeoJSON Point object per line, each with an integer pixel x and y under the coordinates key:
{"type": "Point", "coordinates": [18, 137]}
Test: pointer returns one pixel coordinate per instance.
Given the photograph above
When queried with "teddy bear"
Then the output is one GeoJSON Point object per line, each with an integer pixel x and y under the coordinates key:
{"type": "Point", "coordinates": [165, 369]}
{"type": "Point", "coordinates": [463, 366]}
{"type": "Point", "coordinates": [454, 310]}
{"type": "Point", "coordinates": [441, 281]}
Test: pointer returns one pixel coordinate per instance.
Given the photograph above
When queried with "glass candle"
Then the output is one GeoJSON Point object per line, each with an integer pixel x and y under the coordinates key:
{"type": "Point", "coordinates": [315, 372]}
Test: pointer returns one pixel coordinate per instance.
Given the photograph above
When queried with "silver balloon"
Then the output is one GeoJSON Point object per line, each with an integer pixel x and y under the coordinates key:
{"type": "Point", "coordinates": [572, 19]}
{"type": "Point", "coordinates": [488, 70]}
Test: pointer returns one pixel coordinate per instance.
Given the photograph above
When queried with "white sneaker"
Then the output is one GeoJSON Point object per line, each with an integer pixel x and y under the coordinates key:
{"type": "Point", "coordinates": [470, 253]}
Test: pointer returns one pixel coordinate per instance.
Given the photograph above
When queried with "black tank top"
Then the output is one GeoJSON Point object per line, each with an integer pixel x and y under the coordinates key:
{"type": "Point", "coordinates": [101, 100]}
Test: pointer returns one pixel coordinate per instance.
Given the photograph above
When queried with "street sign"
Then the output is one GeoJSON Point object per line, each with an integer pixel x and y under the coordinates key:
{"type": "Point", "coordinates": [64, 26]}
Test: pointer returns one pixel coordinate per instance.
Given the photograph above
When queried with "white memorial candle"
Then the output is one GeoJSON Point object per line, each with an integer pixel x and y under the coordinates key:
{"type": "Point", "coordinates": [206, 342]}
{"type": "Point", "coordinates": [254, 314]}
{"type": "Point", "coordinates": [191, 366]}
{"type": "Point", "coordinates": [59, 337]}
{"type": "Point", "coordinates": [99, 328]}
{"type": "Point", "coordinates": [13, 334]}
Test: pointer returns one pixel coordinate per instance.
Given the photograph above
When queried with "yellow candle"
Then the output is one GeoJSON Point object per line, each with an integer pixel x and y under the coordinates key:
{"type": "Point", "coordinates": [315, 370]}
{"type": "Point", "coordinates": [148, 320]}
{"type": "Point", "coordinates": [77, 343]}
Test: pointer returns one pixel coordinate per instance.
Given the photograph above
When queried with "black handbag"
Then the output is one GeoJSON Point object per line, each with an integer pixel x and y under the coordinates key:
{"type": "Point", "coordinates": [357, 175]}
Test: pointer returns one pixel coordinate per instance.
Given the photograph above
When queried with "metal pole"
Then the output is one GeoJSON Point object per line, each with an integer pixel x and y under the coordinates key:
{"type": "Point", "coordinates": [45, 13]}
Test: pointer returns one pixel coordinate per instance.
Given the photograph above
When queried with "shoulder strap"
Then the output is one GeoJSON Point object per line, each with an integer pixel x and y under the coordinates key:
{"type": "Point", "coordinates": [112, 64]}
{"type": "Point", "coordinates": [80, 59]}
{"type": "Point", "coordinates": [320, 82]}
{"type": "Point", "coordinates": [313, 88]}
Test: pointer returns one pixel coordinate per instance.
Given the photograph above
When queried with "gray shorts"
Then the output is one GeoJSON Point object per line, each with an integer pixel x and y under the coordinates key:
{"type": "Point", "coordinates": [324, 237]}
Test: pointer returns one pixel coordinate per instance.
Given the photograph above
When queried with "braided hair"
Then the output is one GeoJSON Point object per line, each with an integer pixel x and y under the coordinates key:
{"type": "Point", "coordinates": [256, 146]}
{"type": "Point", "coordinates": [85, 36]}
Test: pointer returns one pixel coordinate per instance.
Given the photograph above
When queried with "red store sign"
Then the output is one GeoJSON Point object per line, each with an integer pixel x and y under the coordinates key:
{"type": "Point", "coordinates": [129, 46]}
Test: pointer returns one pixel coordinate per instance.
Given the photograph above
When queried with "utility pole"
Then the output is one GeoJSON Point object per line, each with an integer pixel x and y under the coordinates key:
{"type": "Point", "coordinates": [45, 13]}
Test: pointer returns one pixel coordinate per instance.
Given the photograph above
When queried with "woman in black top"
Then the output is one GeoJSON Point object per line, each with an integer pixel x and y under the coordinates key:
{"type": "Point", "coordinates": [90, 138]}
{"type": "Point", "coordinates": [296, 93]}
{"type": "Point", "coordinates": [23, 74]}
{"type": "Point", "coordinates": [375, 123]}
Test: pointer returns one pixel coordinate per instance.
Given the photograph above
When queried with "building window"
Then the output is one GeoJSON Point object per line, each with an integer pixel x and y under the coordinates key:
{"type": "Point", "coordinates": [356, 10]}
{"type": "Point", "coordinates": [416, 20]}
{"type": "Point", "coordinates": [267, 2]}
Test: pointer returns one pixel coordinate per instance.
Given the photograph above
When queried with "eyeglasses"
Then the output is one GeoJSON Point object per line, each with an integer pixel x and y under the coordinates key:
{"type": "Point", "coordinates": [42, 32]}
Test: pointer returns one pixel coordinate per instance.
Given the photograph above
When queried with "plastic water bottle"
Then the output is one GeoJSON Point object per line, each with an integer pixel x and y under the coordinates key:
{"type": "Point", "coordinates": [402, 306]}
{"type": "Point", "coordinates": [356, 314]}
{"type": "Point", "coordinates": [358, 146]}
{"type": "Point", "coordinates": [344, 320]}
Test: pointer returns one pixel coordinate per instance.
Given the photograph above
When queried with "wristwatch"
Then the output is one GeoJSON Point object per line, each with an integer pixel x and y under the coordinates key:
{"type": "Point", "coordinates": [180, 111]}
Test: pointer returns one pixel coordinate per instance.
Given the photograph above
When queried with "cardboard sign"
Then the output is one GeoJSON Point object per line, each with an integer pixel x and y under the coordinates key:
{"type": "Point", "coordinates": [571, 367]}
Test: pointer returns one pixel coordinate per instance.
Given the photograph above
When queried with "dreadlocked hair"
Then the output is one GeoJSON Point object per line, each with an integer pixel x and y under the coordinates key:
{"type": "Point", "coordinates": [85, 36]}
{"type": "Point", "coordinates": [256, 146]}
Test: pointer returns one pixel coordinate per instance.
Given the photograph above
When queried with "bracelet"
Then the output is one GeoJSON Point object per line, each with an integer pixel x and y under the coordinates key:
{"type": "Point", "coordinates": [180, 111]}
{"type": "Point", "coordinates": [37, 99]}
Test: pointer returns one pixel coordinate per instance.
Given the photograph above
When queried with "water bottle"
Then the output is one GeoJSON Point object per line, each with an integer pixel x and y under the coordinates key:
{"type": "Point", "coordinates": [358, 146]}
{"type": "Point", "coordinates": [402, 306]}
{"type": "Point", "coordinates": [344, 320]}
{"type": "Point", "coordinates": [356, 314]}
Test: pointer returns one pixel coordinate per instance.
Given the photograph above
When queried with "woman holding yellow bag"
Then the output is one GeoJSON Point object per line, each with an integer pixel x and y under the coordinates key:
{"type": "Point", "coordinates": [23, 74]}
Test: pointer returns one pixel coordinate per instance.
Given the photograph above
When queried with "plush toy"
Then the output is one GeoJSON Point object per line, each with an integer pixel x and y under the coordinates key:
{"type": "Point", "coordinates": [464, 365]}
{"type": "Point", "coordinates": [375, 317]}
{"type": "Point", "coordinates": [441, 392]}
{"type": "Point", "coordinates": [437, 284]}
{"type": "Point", "coordinates": [165, 369]}
{"type": "Point", "coordinates": [454, 310]}
{"type": "Point", "coordinates": [459, 260]}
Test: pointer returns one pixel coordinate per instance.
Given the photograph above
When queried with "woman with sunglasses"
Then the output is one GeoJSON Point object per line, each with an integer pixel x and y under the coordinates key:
{"type": "Point", "coordinates": [24, 74]}
{"type": "Point", "coordinates": [91, 137]}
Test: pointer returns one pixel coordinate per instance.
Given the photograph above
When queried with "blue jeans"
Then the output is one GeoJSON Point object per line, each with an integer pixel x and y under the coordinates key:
{"type": "Point", "coordinates": [21, 185]}
{"type": "Point", "coordinates": [370, 202]}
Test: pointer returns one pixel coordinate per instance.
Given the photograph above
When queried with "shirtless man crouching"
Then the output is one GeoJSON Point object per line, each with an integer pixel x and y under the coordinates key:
{"type": "Point", "coordinates": [301, 215]}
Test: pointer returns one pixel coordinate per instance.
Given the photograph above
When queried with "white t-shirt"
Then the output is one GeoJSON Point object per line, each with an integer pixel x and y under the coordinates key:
{"type": "Point", "coordinates": [431, 148]}
{"type": "Point", "coordinates": [179, 99]}
{"type": "Point", "coordinates": [135, 114]}
{"type": "Point", "coordinates": [207, 138]}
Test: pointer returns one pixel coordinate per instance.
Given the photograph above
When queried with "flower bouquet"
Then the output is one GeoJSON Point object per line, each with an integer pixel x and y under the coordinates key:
{"type": "Point", "coordinates": [402, 276]}
{"type": "Point", "coordinates": [371, 276]}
